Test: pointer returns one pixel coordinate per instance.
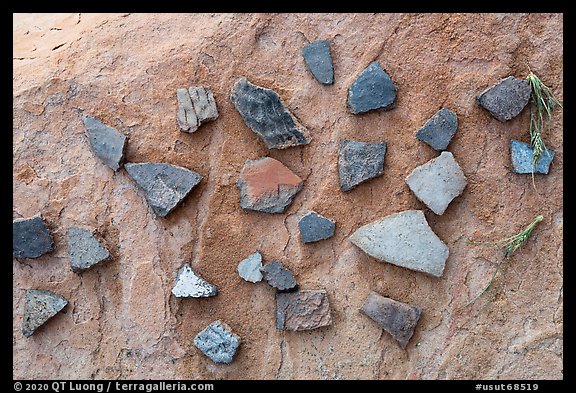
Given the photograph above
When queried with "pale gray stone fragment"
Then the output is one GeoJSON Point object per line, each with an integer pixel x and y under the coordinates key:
{"type": "Point", "coordinates": [40, 306]}
{"type": "Point", "coordinates": [249, 268]}
{"type": "Point", "coordinates": [196, 105]}
{"type": "Point", "coordinates": [189, 284]}
{"type": "Point", "coordinates": [84, 250]}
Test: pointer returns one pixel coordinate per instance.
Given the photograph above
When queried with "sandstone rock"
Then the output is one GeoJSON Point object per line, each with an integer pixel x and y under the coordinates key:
{"type": "Point", "coordinates": [317, 57]}
{"type": "Point", "coordinates": [164, 185]}
{"type": "Point", "coordinates": [265, 113]}
{"type": "Point", "coordinates": [314, 227]}
{"type": "Point", "coordinates": [439, 129]}
{"type": "Point", "coordinates": [196, 105]}
{"type": "Point", "coordinates": [107, 143]}
{"type": "Point", "coordinates": [277, 276]}
{"type": "Point", "coordinates": [84, 250]}
{"type": "Point", "coordinates": [266, 185]}
{"type": "Point", "coordinates": [218, 342]}
{"type": "Point", "coordinates": [506, 99]}
{"type": "Point", "coordinates": [31, 237]}
{"type": "Point", "coordinates": [189, 284]}
{"type": "Point", "coordinates": [403, 239]}
{"type": "Point", "coordinates": [249, 268]}
{"type": "Point", "coordinates": [437, 182]}
{"type": "Point", "coordinates": [372, 89]}
{"type": "Point", "coordinates": [40, 306]}
{"type": "Point", "coordinates": [302, 310]}
{"type": "Point", "coordinates": [522, 155]}
{"type": "Point", "coordinates": [398, 319]}
{"type": "Point", "coordinates": [359, 162]}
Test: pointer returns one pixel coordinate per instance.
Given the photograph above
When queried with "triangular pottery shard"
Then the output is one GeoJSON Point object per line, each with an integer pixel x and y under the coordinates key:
{"type": "Point", "coordinates": [106, 142]}
{"type": "Point", "coordinates": [84, 250]}
{"type": "Point", "coordinates": [39, 308]}
{"type": "Point", "coordinates": [189, 284]}
{"type": "Point", "coordinates": [403, 239]}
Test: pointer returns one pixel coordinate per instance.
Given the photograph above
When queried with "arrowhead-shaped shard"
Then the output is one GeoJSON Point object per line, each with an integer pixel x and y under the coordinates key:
{"type": "Point", "coordinates": [372, 89]}
{"type": "Point", "coordinates": [107, 143]}
{"type": "Point", "coordinates": [318, 60]}
{"type": "Point", "coordinates": [31, 237]}
{"type": "Point", "coordinates": [164, 185]}
{"type": "Point", "coordinates": [265, 113]}
{"type": "Point", "coordinates": [359, 162]}
{"type": "Point", "coordinates": [189, 284]}
{"type": "Point", "coordinates": [403, 239]}
{"type": "Point", "coordinates": [84, 250]}
{"type": "Point", "coordinates": [40, 307]}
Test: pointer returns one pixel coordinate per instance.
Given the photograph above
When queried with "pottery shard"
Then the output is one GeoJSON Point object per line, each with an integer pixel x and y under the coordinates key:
{"type": "Point", "coordinates": [40, 307]}
{"type": "Point", "coordinates": [359, 162]}
{"type": "Point", "coordinates": [522, 155]}
{"type": "Point", "coordinates": [107, 143]}
{"type": "Point", "coordinates": [164, 185]}
{"type": "Point", "coordinates": [302, 310]}
{"type": "Point", "coordinates": [372, 89]}
{"type": "Point", "coordinates": [84, 250]}
{"type": "Point", "coordinates": [277, 276]}
{"type": "Point", "coordinates": [189, 284]}
{"type": "Point", "coordinates": [398, 319]}
{"type": "Point", "coordinates": [265, 113]}
{"type": "Point", "coordinates": [218, 342]}
{"type": "Point", "coordinates": [266, 185]}
{"type": "Point", "coordinates": [506, 99]}
{"type": "Point", "coordinates": [196, 105]}
{"type": "Point", "coordinates": [437, 182]}
{"type": "Point", "coordinates": [31, 237]}
{"type": "Point", "coordinates": [314, 227]}
{"type": "Point", "coordinates": [249, 268]}
{"type": "Point", "coordinates": [318, 60]}
{"type": "Point", "coordinates": [403, 239]}
{"type": "Point", "coordinates": [439, 129]}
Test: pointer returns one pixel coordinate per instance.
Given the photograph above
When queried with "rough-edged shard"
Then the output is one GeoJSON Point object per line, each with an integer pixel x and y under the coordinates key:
{"type": "Point", "coordinates": [31, 237]}
{"type": "Point", "coordinates": [249, 268]}
{"type": "Point", "coordinates": [319, 61]}
{"type": "Point", "coordinates": [189, 284]}
{"type": "Point", "coordinates": [106, 142]}
{"type": "Point", "coordinates": [277, 276]}
{"type": "Point", "coordinates": [164, 185]}
{"type": "Point", "coordinates": [265, 113]}
{"type": "Point", "coordinates": [84, 250]}
{"type": "Point", "coordinates": [359, 162]}
{"type": "Point", "coordinates": [372, 89]}
{"type": "Point", "coordinates": [218, 342]}
{"type": "Point", "coordinates": [437, 182]}
{"type": "Point", "coordinates": [196, 105]}
{"type": "Point", "coordinates": [302, 310]}
{"type": "Point", "coordinates": [522, 155]}
{"type": "Point", "coordinates": [506, 99]}
{"type": "Point", "coordinates": [403, 239]}
{"type": "Point", "coordinates": [314, 227]}
{"type": "Point", "coordinates": [397, 318]}
{"type": "Point", "coordinates": [266, 185]}
{"type": "Point", "coordinates": [40, 306]}
{"type": "Point", "coordinates": [439, 129]}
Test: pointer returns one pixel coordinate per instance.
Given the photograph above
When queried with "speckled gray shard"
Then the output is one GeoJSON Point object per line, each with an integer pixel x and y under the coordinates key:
{"type": "Point", "coordinates": [196, 105]}
{"type": "Point", "coordinates": [506, 99]}
{"type": "Point", "coordinates": [164, 185]}
{"type": "Point", "coordinates": [249, 268]}
{"type": "Point", "coordinates": [218, 342]}
{"type": "Point", "coordinates": [265, 113]}
{"type": "Point", "coordinates": [522, 155]}
{"type": "Point", "coordinates": [314, 227]}
{"type": "Point", "coordinates": [439, 129]}
{"type": "Point", "coordinates": [403, 239]}
{"type": "Point", "coordinates": [107, 143]}
{"type": "Point", "coordinates": [397, 318]}
{"type": "Point", "coordinates": [318, 60]}
{"type": "Point", "coordinates": [359, 162]}
{"type": "Point", "coordinates": [189, 284]}
{"type": "Point", "coordinates": [31, 237]}
{"type": "Point", "coordinates": [302, 310]}
{"type": "Point", "coordinates": [40, 307]}
{"type": "Point", "coordinates": [437, 182]}
{"type": "Point", "coordinates": [277, 276]}
{"type": "Point", "coordinates": [372, 89]}
{"type": "Point", "coordinates": [84, 250]}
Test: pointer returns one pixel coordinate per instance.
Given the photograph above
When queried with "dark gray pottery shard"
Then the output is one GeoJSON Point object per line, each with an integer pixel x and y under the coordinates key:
{"type": "Point", "coordinates": [265, 113]}
{"type": "Point", "coordinates": [359, 162]}
{"type": "Point", "coordinates": [218, 342]}
{"type": "Point", "coordinates": [372, 89]}
{"type": "Point", "coordinates": [522, 155]}
{"type": "Point", "coordinates": [40, 307]}
{"type": "Point", "coordinates": [164, 185]}
{"type": "Point", "coordinates": [314, 227]}
{"type": "Point", "coordinates": [318, 60]}
{"type": "Point", "coordinates": [398, 319]}
{"type": "Point", "coordinates": [108, 144]}
{"type": "Point", "coordinates": [84, 250]}
{"type": "Point", "coordinates": [439, 129]}
{"type": "Point", "coordinates": [277, 276]}
{"type": "Point", "coordinates": [31, 237]}
{"type": "Point", "coordinates": [506, 99]}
